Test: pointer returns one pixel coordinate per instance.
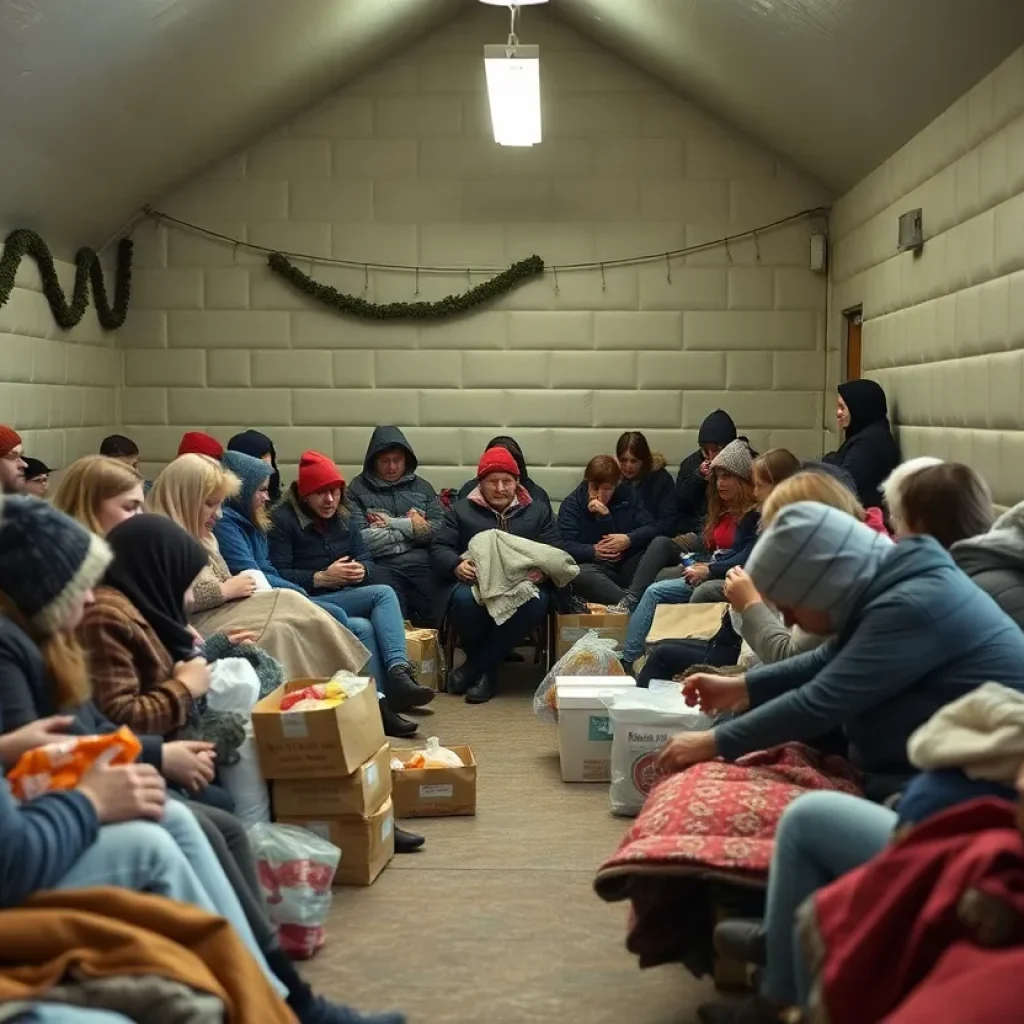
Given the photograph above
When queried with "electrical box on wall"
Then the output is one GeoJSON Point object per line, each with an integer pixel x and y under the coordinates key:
{"type": "Point", "coordinates": [819, 253]}
{"type": "Point", "coordinates": [911, 231]}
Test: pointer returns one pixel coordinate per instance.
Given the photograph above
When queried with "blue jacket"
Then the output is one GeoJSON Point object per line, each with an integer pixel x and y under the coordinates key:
{"type": "Point", "coordinates": [581, 529]}
{"type": "Point", "coordinates": [921, 635]}
{"type": "Point", "coordinates": [657, 492]}
{"type": "Point", "coordinates": [243, 546]}
{"type": "Point", "coordinates": [300, 547]}
{"type": "Point", "coordinates": [743, 543]}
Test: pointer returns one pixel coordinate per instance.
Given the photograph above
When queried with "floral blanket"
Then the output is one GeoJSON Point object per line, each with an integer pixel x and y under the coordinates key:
{"type": "Point", "coordinates": [704, 839]}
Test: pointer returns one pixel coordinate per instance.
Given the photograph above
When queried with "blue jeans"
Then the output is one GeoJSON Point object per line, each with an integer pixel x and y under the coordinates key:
{"type": "Point", "coordinates": [820, 837]}
{"type": "Point", "coordinates": [171, 859]}
{"type": "Point", "coordinates": [666, 592]}
{"type": "Point", "coordinates": [375, 616]}
{"type": "Point", "coordinates": [486, 643]}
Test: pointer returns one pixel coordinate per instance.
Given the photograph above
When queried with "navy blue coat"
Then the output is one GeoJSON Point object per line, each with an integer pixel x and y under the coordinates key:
{"type": "Point", "coordinates": [581, 529]}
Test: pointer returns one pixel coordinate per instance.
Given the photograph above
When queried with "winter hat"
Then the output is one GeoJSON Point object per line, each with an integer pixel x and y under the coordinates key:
{"type": "Point", "coordinates": [252, 472]}
{"type": "Point", "coordinates": [195, 442]}
{"type": "Point", "coordinates": [9, 440]}
{"type": "Point", "coordinates": [316, 473]}
{"type": "Point", "coordinates": [736, 458]}
{"type": "Point", "coordinates": [253, 443]}
{"type": "Point", "coordinates": [497, 460]}
{"type": "Point", "coordinates": [717, 428]}
{"type": "Point", "coordinates": [814, 556]}
{"type": "Point", "coordinates": [35, 467]}
{"type": "Point", "coordinates": [893, 484]}
{"type": "Point", "coordinates": [47, 561]}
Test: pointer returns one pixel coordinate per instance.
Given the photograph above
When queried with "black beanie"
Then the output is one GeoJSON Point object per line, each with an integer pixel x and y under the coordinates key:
{"type": "Point", "coordinates": [717, 428]}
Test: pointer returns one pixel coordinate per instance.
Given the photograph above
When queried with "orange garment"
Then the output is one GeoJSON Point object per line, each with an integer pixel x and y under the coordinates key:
{"type": "Point", "coordinates": [62, 765]}
{"type": "Point", "coordinates": [109, 932]}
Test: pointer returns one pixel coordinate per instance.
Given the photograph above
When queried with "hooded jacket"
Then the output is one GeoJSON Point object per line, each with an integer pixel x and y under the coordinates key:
{"type": "Point", "coordinates": [511, 445]}
{"type": "Point", "coordinates": [916, 635]}
{"type": "Point", "coordinates": [252, 442]}
{"type": "Point", "coordinates": [870, 452]}
{"type": "Point", "coordinates": [302, 545]}
{"type": "Point", "coordinates": [581, 529]}
{"type": "Point", "coordinates": [995, 561]}
{"type": "Point", "coordinates": [692, 488]}
{"type": "Point", "coordinates": [369, 493]}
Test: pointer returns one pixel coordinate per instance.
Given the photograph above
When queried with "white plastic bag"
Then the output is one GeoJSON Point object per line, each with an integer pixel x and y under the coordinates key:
{"type": "Point", "coordinates": [642, 722]}
{"type": "Point", "coordinates": [258, 577]}
{"type": "Point", "coordinates": [434, 756]}
{"type": "Point", "coordinates": [591, 655]}
{"type": "Point", "coordinates": [296, 868]}
{"type": "Point", "coordinates": [244, 782]}
{"type": "Point", "coordinates": [234, 686]}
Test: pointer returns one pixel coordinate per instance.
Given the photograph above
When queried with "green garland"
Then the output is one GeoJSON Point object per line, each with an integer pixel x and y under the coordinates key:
{"type": "Point", "coordinates": [87, 267]}
{"type": "Point", "coordinates": [451, 305]}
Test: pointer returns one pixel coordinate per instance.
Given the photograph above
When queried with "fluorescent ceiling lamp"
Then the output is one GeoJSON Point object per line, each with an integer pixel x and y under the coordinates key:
{"type": "Point", "coordinates": [513, 88]}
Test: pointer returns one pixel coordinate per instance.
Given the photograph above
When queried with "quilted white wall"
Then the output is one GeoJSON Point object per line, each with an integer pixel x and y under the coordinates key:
{"type": "Point", "coordinates": [58, 388]}
{"type": "Point", "coordinates": [944, 330]}
{"type": "Point", "coordinates": [399, 167]}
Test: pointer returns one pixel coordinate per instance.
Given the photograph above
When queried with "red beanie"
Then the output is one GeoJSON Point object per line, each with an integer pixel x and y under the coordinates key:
{"type": "Point", "coordinates": [317, 473]}
{"type": "Point", "coordinates": [9, 440]}
{"type": "Point", "coordinates": [195, 442]}
{"type": "Point", "coordinates": [496, 460]}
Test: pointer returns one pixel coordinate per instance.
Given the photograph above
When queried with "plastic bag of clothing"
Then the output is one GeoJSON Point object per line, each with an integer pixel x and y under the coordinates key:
{"type": "Point", "coordinates": [434, 756]}
{"type": "Point", "coordinates": [244, 782]}
{"type": "Point", "coordinates": [591, 655]}
{"type": "Point", "coordinates": [296, 868]}
{"type": "Point", "coordinates": [642, 722]}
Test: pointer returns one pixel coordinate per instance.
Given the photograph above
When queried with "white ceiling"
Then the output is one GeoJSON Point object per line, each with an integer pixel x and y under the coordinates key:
{"type": "Point", "coordinates": [107, 103]}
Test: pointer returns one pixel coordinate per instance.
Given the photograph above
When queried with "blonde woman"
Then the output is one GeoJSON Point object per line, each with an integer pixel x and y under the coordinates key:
{"type": "Point", "coordinates": [99, 492]}
{"type": "Point", "coordinates": [306, 640]}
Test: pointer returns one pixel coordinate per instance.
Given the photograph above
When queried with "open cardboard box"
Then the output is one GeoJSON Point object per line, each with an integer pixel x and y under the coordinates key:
{"type": "Point", "coordinates": [423, 650]}
{"type": "Point", "coordinates": [317, 744]}
{"type": "Point", "coordinates": [434, 792]}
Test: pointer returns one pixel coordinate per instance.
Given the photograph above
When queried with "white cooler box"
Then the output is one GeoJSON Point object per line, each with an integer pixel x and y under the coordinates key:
{"type": "Point", "coordinates": [584, 729]}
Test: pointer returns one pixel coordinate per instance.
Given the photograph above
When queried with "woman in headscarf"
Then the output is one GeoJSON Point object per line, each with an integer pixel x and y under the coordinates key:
{"type": "Point", "coordinates": [869, 452]}
{"type": "Point", "coordinates": [511, 445]}
{"type": "Point", "coordinates": [259, 446]}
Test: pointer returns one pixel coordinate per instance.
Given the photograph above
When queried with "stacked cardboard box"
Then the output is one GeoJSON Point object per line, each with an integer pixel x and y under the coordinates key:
{"type": "Point", "coordinates": [435, 792]}
{"type": "Point", "coordinates": [424, 653]}
{"type": "Point", "coordinates": [331, 773]}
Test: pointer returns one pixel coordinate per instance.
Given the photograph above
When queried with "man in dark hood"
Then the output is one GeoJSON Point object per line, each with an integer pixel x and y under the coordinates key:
{"type": "Point", "coordinates": [259, 446]}
{"type": "Point", "coordinates": [398, 512]}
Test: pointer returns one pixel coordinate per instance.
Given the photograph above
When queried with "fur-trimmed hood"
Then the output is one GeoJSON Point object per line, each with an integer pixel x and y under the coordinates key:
{"type": "Point", "coordinates": [1001, 548]}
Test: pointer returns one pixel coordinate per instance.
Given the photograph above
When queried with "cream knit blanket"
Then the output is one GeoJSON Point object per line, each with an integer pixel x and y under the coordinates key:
{"type": "Point", "coordinates": [503, 564]}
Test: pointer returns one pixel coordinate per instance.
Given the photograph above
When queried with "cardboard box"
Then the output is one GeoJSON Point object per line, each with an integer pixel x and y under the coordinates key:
{"type": "Point", "coordinates": [434, 792]}
{"type": "Point", "coordinates": [584, 728]}
{"type": "Point", "coordinates": [367, 844]}
{"type": "Point", "coordinates": [317, 744]}
{"type": "Point", "coordinates": [570, 628]}
{"type": "Point", "coordinates": [358, 794]}
{"type": "Point", "coordinates": [686, 622]}
{"type": "Point", "coordinates": [424, 652]}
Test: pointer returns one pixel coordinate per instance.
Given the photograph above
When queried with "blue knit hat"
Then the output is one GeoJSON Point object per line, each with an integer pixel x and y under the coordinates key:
{"type": "Point", "coordinates": [252, 472]}
{"type": "Point", "coordinates": [47, 561]}
{"type": "Point", "coordinates": [815, 556]}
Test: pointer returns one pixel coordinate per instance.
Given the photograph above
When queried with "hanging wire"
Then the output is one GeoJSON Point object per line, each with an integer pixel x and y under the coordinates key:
{"type": "Point", "coordinates": [366, 278]}
{"type": "Point", "coordinates": [668, 268]}
{"type": "Point", "coordinates": [757, 248]}
{"type": "Point", "coordinates": [604, 284]}
{"type": "Point", "coordinates": [417, 280]}
{"type": "Point", "coordinates": [555, 271]}
{"type": "Point", "coordinates": [815, 213]}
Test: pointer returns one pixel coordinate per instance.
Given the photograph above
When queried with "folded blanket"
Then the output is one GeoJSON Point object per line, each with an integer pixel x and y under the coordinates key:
{"type": "Point", "coordinates": [503, 563]}
{"type": "Point", "coordinates": [713, 823]}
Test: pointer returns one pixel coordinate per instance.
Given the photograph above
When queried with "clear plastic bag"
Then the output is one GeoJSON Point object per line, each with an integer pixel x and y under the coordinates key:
{"type": "Point", "coordinates": [435, 756]}
{"type": "Point", "coordinates": [591, 655]}
{"type": "Point", "coordinates": [295, 868]}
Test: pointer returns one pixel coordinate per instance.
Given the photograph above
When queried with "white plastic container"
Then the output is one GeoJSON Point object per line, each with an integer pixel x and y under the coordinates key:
{"type": "Point", "coordinates": [584, 728]}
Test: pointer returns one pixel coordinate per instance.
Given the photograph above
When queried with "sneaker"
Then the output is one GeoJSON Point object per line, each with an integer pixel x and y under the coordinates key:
{"type": "Point", "coordinates": [625, 607]}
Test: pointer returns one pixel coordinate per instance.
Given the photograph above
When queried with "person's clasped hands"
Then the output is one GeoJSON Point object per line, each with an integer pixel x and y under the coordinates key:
{"type": "Point", "coordinates": [697, 573]}
{"type": "Point", "coordinates": [466, 571]}
{"type": "Point", "coordinates": [740, 591]}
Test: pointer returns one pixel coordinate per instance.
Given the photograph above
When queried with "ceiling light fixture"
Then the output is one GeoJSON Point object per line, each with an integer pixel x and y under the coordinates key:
{"type": "Point", "coordinates": [513, 88]}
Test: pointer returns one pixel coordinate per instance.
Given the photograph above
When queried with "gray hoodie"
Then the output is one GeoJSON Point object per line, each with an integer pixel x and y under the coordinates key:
{"type": "Point", "coordinates": [995, 561]}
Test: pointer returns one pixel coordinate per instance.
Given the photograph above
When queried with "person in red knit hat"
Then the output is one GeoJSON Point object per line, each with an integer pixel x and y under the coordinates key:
{"type": "Point", "coordinates": [498, 502]}
{"type": "Point", "coordinates": [12, 464]}
{"type": "Point", "coordinates": [316, 544]}
{"type": "Point", "coordinates": [195, 442]}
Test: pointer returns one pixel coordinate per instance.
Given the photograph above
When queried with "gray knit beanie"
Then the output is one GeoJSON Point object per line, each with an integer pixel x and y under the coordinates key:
{"type": "Point", "coordinates": [736, 458]}
{"type": "Point", "coordinates": [815, 556]}
{"type": "Point", "coordinates": [47, 561]}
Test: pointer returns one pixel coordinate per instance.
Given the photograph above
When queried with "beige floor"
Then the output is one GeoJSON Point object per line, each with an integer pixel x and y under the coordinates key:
{"type": "Point", "coordinates": [495, 919]}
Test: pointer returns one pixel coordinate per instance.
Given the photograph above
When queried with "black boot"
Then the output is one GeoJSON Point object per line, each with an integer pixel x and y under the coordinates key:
{"type": "Point", "coordinates": [403, 692]}
{"type": "Point", "coordinates": [394, 724]}
{"type": "Point", "coordinates": [407, 842]}
{"type": "Point", "coordinates": [482, 691]}
{"type": "Point", "coordinates": [461, 679]}
{"type": "Point", "coordinates": [742, 939]}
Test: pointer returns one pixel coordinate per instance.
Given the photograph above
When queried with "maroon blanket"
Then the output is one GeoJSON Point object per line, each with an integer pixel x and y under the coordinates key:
{"type": "Point", "coordinates": [701, 834]}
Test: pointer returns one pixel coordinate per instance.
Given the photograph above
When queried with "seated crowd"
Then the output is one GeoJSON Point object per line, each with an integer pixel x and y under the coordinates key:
{"type": "Point", "coordinates": [863, 596]}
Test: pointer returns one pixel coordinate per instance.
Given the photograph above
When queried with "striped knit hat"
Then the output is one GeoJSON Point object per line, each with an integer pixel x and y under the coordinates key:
{"type": "Point", "coordinates": [815, 556]}
{"type": "Point", "coordinates": [47, 561]}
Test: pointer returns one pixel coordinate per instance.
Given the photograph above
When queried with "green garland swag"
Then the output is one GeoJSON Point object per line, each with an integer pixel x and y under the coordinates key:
{"type": "Point", "coordinates": [87, 267]}
{"type": "Point", "coordinates": [451, 305]}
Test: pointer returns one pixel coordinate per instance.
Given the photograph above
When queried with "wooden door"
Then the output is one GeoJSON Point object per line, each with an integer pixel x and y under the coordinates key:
{"type": "Point", "coordinates": [853, 325]}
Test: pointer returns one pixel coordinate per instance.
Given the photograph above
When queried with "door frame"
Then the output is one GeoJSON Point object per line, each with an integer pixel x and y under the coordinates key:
{"type": "Point", "coordinates": [852, 364]}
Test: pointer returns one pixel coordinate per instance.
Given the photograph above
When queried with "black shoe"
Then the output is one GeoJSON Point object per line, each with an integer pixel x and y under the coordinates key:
{"type": "Point", "coordinates": [406, 842]}
{"type": "Point", "coordinates": [515, 656]}
{"type": "Point", "coordinates": [403, 692]}
{"type": "Point", "coordinates": [461, 679]}
{"type": "Point", "coordinates": [394, 724]}
{"type": "Point", "coordinates": [482, 691]}
{"type": "Point", "coordinates": [752, 1010]}
{"type": "Point", "coordinates": [742, 939]}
